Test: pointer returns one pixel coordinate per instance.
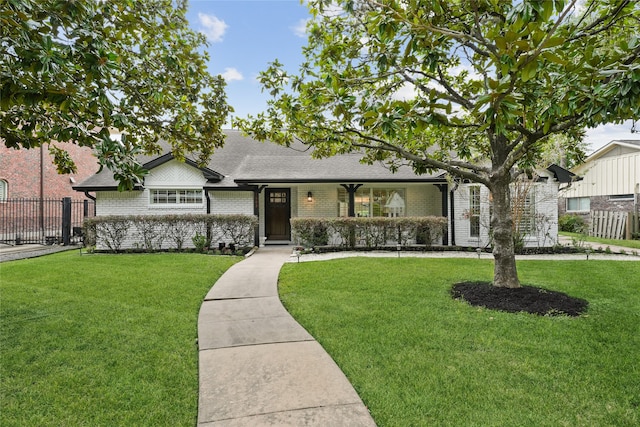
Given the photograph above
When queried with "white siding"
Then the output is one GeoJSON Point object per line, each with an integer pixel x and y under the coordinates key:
{"type": "Point", "coordinates": [608, 175]}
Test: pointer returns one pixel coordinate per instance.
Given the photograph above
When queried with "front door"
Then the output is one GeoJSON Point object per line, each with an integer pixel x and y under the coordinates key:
{"type": "Point", "coordinates": [278, 213]}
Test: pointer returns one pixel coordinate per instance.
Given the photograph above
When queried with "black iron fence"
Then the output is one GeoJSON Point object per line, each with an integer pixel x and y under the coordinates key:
{"type": "Point", "coordinates": [43, 221]}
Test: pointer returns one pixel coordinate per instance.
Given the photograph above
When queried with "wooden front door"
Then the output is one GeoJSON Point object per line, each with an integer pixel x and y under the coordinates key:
{"type": "Point", "coordinates": [278, 213]}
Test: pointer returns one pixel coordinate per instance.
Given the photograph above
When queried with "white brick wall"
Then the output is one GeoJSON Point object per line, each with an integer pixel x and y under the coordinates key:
{"type": "Point", "coordinates": [546, 202]}
{"type": "Point", "coordinates": [231, 202]}
{"type": "Point", "coordinates": [420, 199]}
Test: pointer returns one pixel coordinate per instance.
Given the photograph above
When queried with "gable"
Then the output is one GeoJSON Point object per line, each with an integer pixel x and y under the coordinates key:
{"type": "Point", "coordinates": [615, 148]}
{"type": "Point", "coordinates": [175, 174]}
{"type": "Point", "coordinates": [619, 151]}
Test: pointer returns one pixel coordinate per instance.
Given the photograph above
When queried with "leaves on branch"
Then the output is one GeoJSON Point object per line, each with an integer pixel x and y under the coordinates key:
{"type": "Point", "coordinates": [74, 71]}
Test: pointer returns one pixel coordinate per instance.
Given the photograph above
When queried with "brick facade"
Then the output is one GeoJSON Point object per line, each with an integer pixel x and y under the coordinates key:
{"type": "Point", "coordinates": [21, 169]}
{"type": "Point", "coordinates": [600, 203]}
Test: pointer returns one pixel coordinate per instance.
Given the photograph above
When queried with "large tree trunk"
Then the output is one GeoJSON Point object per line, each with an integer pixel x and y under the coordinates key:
{"type": "Point", "coordinates": [505, 274]}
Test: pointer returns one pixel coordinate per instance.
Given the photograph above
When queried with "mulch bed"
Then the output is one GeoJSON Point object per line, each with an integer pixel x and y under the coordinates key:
{"type": "Point", "coordinates": [529, 299]}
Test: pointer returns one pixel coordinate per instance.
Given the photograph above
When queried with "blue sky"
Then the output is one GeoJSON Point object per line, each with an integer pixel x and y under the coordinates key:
{"type": "Point", "coordinates": [246, 35]}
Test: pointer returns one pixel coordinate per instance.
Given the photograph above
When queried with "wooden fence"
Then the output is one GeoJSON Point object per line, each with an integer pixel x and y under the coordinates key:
{"type": "Point", "coordinates": [614, 225]}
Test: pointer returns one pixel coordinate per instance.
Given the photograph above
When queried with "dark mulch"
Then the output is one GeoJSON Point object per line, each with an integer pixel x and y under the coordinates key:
{"type": "Point", "coordinates": [527, 298]}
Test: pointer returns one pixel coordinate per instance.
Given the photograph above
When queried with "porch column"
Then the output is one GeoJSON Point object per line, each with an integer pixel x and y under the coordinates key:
{"type": "Point", "coordinates": [351, 191]}
{"type": "Point", "coordinates": [445, 208]}
{"type": "Point", "coordinates": [256, 212]}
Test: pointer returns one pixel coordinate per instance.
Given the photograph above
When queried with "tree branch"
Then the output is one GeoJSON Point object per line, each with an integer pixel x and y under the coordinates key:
{"type": "Point", "coordinates": [473, 172]}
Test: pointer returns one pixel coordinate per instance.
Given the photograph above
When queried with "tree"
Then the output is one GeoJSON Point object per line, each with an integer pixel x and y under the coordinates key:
{"type": "Point", "coordinates": [73, 70]}
{"type": "Point", "coordinates": [488, 82]}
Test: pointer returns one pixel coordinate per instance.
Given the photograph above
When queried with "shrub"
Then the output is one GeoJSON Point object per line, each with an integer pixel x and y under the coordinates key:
{"type": "Point", "coordinates": [238, 229]}
{"type": "Point", "coordinates": [153, 230]}
{"type": "Point", "coordinates": [150, 231]}
{"type": "Point", "coordinates": [110, 230]}
{"type": "Point", "coordinates": [374, 232]}
{"type": "Point", "coordinates": [199, 242]}
{"type": "Point", "coordinates": [310, 232]}
{"type": "Point", "coordinates": [571, 223]}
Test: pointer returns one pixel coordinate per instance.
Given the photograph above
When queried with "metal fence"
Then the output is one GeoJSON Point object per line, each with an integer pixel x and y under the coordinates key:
{"type": "Point", "coordinates": [43, 221]}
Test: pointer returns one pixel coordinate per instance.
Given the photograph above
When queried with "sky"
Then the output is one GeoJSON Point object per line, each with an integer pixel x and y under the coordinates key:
{"type": "Point", "coordinates": [244, 36]}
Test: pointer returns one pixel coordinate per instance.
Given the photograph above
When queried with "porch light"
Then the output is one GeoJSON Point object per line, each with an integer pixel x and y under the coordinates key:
{"type": "Point", "coordinates": [309, 196]}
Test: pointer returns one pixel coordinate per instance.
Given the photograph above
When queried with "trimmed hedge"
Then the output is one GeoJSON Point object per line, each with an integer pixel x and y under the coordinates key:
{"type": "Point", "coordinates": [150, 232]}
{"type": "Point", "coordinates": [374, 232]}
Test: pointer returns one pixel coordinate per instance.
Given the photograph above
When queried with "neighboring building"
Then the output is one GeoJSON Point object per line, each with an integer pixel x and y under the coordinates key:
{"type": "Point", "coordinates": [276, 183]}
{"type": "Point", "coordinates": [32, 193]}
{"type": "Point", "coordinates": [610, 181]}
{"type": "Point", "coordinates": [31, 173]}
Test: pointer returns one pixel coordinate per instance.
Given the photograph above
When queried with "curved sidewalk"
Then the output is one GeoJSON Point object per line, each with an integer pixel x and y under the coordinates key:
{"type": "Point", "coordinates": [258, 366]}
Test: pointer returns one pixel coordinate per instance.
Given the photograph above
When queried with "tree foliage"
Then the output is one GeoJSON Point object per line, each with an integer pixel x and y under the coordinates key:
{"type": "Point", "coordinates": [72, 71]}
{"type": "Point", "coordinates": [474, 87]}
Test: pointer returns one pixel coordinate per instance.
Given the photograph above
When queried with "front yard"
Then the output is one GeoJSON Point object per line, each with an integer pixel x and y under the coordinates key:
{"type": "Point", "coordinates": [417, 357]}
{"type": "Point", "coordinates": [110, 340]}
{"type": "Point", "coordinates": [102, 340]}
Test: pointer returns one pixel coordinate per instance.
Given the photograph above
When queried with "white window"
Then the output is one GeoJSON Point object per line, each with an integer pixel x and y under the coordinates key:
{"type": "Point", "coordinates": [373, 202]}
{"type": "Point", "coordinates": [524, 213]}
{"type": "Point", "coordinates": [176, 197]}
{"type": "Point", "coordinates": [474, 211]}
{"type": "Point", "coordinates": [578, 204]}
{"type": "Point", "coordinates": [4, 186]}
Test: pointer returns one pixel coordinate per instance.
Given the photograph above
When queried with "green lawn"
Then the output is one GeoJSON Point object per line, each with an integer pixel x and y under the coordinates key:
{"type": "Point", "coordinates": [419, 358]}
{"type": "Point", "coordinates": [102, 340]}
{"type": "Point", "coordinates": [632, 244]}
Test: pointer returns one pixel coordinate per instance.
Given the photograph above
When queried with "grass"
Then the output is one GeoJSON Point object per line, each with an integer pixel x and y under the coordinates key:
{"type": "Point", "coordinates": [102, 340]}
{"type": "Point", "coordinates": [418, 357]}
{"type": "Point", "coordinates": [633, 244]}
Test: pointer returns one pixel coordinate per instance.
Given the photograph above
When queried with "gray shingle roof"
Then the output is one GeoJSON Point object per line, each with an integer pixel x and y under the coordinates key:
{"type": "Point", "coordinates": [243, 160]}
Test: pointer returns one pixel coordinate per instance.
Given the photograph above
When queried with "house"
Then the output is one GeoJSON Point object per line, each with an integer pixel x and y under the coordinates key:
{"type": "Point", "coordinates": [30, 173]}
{"type": "Point", "coordinates": [276, 183]}
{"type": "Point", "coordinates": [32, 209]}
{"type": "Point", "coordinates": [610, 181]}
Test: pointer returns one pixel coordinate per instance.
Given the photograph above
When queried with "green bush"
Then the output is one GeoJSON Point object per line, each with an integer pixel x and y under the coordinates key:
{"type": "Point", "coordinates": [150, 231]}
{"type": "Point", "coordinates": [371, 233]}
{"type": "Point", "coordinates": [110, 230]}
{"type": "Point", "coordinates": [310, 232]}
{"type": "Point", "coordinates": [571, 223]}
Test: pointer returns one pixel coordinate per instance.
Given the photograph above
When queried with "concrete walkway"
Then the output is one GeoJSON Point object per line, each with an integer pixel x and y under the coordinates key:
{"type": "Point", "coordinates": [13, 253]}
{"type": "Point", "coordinates": [258, 366]}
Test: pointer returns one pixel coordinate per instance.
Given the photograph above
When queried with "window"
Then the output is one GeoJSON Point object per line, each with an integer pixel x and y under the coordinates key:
{"type": "Point", "coordinates": [374, 202]}
{"type": "Point", "coordinates": [181, 197]}
{"type": "Point", "coordinates": [578, 204]}
{"type": "Point", "coordinates": [524, 213]}
{"type": "Point", "coordinates": [621, 197]}
{"type": "Point", "coordinates": [278, 198]}
{"type": "Point", "coordinates": [4, 186]}
{"type": "Point", "coordinates": [474, 211]}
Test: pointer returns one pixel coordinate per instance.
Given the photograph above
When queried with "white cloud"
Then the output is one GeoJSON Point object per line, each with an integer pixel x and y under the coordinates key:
{"type": "Point", "coordinates": [232, 74]}
{"type": "Point", "coordinates": [406, 92]}
{"type": "Point", "coordinates": [300, 29]}
{"type": "Point", "coordinates": [599, 136]}
{"type": "Point", "coordinates": [214, 28]}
